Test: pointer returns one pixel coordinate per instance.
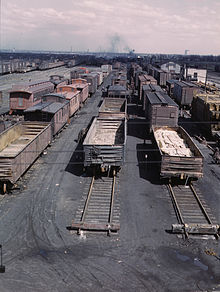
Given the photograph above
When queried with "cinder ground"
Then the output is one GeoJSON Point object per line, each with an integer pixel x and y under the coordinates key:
{"type": "Point", "coordinates": [40, 254]}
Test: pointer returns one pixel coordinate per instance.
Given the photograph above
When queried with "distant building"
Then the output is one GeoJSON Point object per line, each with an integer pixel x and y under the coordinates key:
{"type": "Point", "coordinates": [171, 67]}
{"type": "Point", "coordinates": [194, 74]}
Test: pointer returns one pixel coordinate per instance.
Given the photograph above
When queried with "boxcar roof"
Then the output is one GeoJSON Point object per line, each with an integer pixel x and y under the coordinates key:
{"type": "Point", "coordinates": [117, 88]}
{"type": "Point", "coordinates": [49, 107]}
{"type": "Point", "coordinates": [31, 88]}
{"type": "Point", "coordinates": [160, 98]}
{"type": "Point", "coordinates": [152, 87]}
{"type": "Point", "coordinates": [185, 84]}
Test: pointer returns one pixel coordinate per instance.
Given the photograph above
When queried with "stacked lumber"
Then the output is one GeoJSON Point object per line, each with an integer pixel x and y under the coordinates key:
{"type": "Point", "coordinates": [171, 143]}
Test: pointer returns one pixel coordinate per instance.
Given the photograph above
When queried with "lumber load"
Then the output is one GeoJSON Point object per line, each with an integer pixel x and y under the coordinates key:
{"type": "Point", "coordinates": [171, 143]}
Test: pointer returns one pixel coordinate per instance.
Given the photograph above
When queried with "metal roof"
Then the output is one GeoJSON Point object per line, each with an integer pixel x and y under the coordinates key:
{"type": "Point", "coordinates": [185, 84]}
{"type": "Point", "coordinates": [160, 98]}
{"type": "Point", "coordinates": [117, 88]}
{"type": "Point", "coordinates": [60, 95]}
{"type": "Point", "coordinates": [48, 107]}
{"type": "Point", "coordinates": [152, 87]}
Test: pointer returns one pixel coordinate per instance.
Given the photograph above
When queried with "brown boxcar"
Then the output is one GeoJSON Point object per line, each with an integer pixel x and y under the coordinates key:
{"type": "Point", "coordinates": [54, 112]}
{"type": "Point", "coordinates": [83, 86]}
{"type": "Point", "coordinates": [25, 96]}
{"type": "Point", "coordinates": [20, 146]}
{"type": "Point", "coordinates": [143, 80]}
{"type": "Point", "coordinates": [117, 91]}
{"type": "Point", "coordinates": [178, 165]}
{"type": "Point", "coordinates": [183, 92]}
{"type": "Point", "coordinates": [72, 95]}
{"type": "Point", "coordinates": [161, 76]}
{"type": "Point", "coordinates": [161, 110]}
{"type": "Point", "coordinates": [149, 88]}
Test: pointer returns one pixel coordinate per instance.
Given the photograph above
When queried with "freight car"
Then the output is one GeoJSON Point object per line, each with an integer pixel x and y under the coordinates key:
{"type": "Point", "coordinates": [161, 76]}
{"type": "Point", "coordinates": [57, 79]}
{"type": "Point", "coordinates": [161, 110]}
{"type": "Point", "coordinates": [147, 89]}
{"type": "Point", "coordinates": [92, 79]}
{"type": "Point", "coordinates": [206, 111]}
{"type": "Point", "coordinates": [178, 155]}
{"type": "Point", "coordinates": [104, 144]}
{"type": "Point", "coordinates": [25, 96]}
{"type": "Point", "coordinates": [83, 86]}
{"type": "Point", "coordinates": [72, 95]}
{"type": "Point", "coordinates": [117, 91]}
{"type": "Point", "coordinates": [183, 93]}
{"type": "Point", "coordinates": [20, 146]}
{"type": "Point", "coordinates": [54, 112]}
{"type": "Point", "coordinates": [113, 108]}
{"type": "Point", "coordinates": [143, 80]}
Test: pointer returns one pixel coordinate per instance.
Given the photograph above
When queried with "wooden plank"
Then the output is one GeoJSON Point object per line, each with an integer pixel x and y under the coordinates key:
{"type": "Point", "coordinates": [192, 228]}
{"type": "Point", "coordinates": [95, 226]}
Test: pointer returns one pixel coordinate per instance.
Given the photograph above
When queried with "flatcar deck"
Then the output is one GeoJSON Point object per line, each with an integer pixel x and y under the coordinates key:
{"type": "Point", "coordinates": [193, 215]}
{"type": "Point", "coordinates": [100, 211]}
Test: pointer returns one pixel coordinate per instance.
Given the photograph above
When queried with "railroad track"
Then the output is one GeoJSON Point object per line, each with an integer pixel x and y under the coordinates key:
{"type": "Point", "coordinates": [192, 214]}
{"type": "Point", "coordinates": [100, 211]}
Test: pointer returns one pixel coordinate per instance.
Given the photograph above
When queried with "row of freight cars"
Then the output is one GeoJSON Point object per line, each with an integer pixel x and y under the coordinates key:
{"type": "Point", "coordinates": [104, 144]}
{"type": "Point", "coordinates": [22, 143]}
{"type": "Point", "coordinates": [177, 153]}
{"type": "Point", "coordinates": [203, 105]}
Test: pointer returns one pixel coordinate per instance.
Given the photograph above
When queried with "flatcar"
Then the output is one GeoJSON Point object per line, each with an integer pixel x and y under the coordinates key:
{"type": "Point", "coordinates": [26, 95]}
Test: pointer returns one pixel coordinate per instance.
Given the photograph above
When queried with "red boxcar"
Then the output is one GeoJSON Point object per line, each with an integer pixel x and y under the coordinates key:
{"type": "Point", "coordinates": [27, 95]}
{"type": "Point", "coordinates": [83, 86]}
{"type": "Point", "coordinates": [72, 95]}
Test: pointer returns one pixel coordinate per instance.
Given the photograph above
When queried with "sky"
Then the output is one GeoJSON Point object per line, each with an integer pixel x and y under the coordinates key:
{"type": "Point", "coordinates": [156, 26]}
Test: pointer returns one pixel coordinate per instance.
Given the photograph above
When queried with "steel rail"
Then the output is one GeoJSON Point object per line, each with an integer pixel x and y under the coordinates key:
{"type": "Point", "coordinates": [111, 205]}
{"type": "Point", "coordinates": [86, 203]}
{"type": "Point", "coordinates": [177, 209]}
{"type": "Point", "coordinates": [202, 207]}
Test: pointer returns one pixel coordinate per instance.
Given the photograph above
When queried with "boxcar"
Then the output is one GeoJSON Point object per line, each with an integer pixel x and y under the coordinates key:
{"type": "Point", "coordinates": [143, 80]}
{"type": "Point", "coordinates": [72, 95]}
{"type": "Point", "coordinates": [178, 154]}
{"type": "Point", "coordinates": [20, 145]}
{"type": "Point", "coordinates": [183, 92]}
{"type": "Point", "coordinates": [92, 79]}
{"type": "Point", "coordinates": [104, 144]}
{"type": "Point", "coordinates": [54, 112]}
{"type": "Point", "coordinates": [161, 76]}
{"type": "Point", "coordinates": [161, 110]}
{"type": "Point", "coordinates": [113, 108]}
{"type": "Point", "coordinates": [149, 88]}
{"type": "Point", "coordinates": [117, 91]}
{"type": "Point", "coordinates": [57, 79]}
{"type": "Point", "coordinates": [25, 96]}
{"type": "Point", "coordinates": [82, 86]}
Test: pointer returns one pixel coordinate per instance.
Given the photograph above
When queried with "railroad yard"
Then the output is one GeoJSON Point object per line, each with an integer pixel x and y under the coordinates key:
{"type": "Point", "coordinates": [56, 218]}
